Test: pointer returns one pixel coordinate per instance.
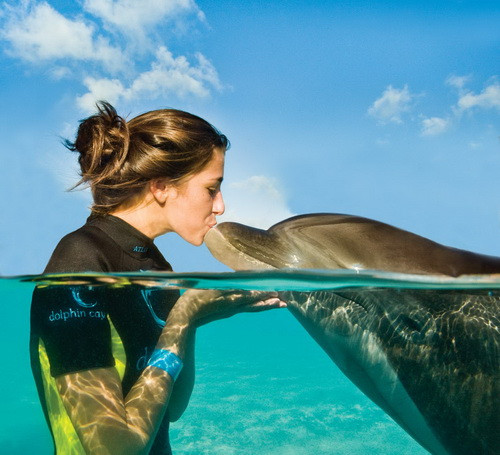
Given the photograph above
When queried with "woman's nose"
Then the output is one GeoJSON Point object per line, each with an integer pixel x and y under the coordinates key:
{"type": "Point", "coordinates": [219, 206]}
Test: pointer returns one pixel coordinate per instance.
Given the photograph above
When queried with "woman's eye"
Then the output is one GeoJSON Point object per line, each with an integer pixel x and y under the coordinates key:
{"type": "Point", "coordinates": [213, 191]}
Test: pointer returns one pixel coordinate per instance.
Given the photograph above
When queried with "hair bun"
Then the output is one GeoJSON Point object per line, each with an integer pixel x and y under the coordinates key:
{"type": "Point", "coordinates": [102, 142]}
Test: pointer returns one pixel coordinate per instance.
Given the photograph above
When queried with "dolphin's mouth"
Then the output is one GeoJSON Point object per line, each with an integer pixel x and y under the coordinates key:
{"type": "Point", "coordinates": [242, 247]}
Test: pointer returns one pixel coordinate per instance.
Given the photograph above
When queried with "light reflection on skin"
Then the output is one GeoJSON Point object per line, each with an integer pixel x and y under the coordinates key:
{"type": "Point", "coordinates": [108, 423]}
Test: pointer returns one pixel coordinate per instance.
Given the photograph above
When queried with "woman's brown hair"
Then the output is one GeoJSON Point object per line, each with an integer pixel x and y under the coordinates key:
{"type": "Point", "coordinates": [118, 158]}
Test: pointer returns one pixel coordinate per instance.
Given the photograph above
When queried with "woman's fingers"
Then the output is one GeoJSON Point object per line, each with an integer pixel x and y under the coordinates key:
{"type": "Point", "coordinates": [263, 305]}
{"type": "Point", "coordinates": [261, 296]}
{"type": "Point", "coordinates": [255, 299]}
{"type": "Point", "coordinates": [200, 305]}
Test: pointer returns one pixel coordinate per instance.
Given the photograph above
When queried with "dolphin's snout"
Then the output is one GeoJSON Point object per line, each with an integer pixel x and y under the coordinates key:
{"type": "Point", "coordinates": [239, 247]}
{"type": "Point", "coordinates": [210, 236]}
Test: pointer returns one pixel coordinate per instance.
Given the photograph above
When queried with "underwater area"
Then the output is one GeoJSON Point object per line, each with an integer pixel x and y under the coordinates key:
{"type": "Point", "coordinates": [263, 385]}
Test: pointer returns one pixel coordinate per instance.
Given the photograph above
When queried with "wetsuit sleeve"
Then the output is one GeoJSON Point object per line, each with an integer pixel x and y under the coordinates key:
{"type": "Point", "coordinates": [71, 321]}
{"type": "Point", "coordinates": [73, 326]}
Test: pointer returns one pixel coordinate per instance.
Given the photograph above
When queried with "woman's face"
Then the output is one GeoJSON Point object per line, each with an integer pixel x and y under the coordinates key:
{"type": "Point", "coordinates": [193, 204]}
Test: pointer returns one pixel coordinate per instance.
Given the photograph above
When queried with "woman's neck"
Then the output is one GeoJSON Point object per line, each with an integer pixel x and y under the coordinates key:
{"type": "Point", "coordinates": [144, 218]}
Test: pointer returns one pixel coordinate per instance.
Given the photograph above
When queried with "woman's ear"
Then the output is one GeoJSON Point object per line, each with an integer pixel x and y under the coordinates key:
{"type": "Point", "coordinates": [161, 190]}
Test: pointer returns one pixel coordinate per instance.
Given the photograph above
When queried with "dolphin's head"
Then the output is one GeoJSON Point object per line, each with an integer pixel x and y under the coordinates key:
{"type": "Point", "coordinates": [316, 241]}
{"type": "Point", "coordinates": [333, 241]}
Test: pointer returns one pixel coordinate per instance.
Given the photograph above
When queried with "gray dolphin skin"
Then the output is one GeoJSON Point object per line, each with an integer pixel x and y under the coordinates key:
{"type": "Point", "coordinates": [429, 358]}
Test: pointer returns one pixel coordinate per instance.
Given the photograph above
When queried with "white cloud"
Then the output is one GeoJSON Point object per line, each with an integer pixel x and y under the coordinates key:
{"type": "Point", "coordinates": [37, 32]}
{"type": "Point", "coordinates": [434, 125]}
{"type": "Point", "coordinates": [175, 74]}
{"type": "Point", "coordinates": [99, 89]}
{"type": "Point", "coordinates": [168, 76]}
{"type": "Point", "coordinates": [59, 72]}
{"type": "Point", "coordinates": [118, 31]}
{"type": "Point", "coordinates": [488, 98]}
{"type": "Point", "coordinates": [391, 105]}
{"type": "Point", "coordinates": [395, 102]}
{"type": "Point", "coordinates": [138, 16]}
{"type": "Point", "coordinates": [458, 81]}
{"type": "Point", "coordinates": [256, 201]}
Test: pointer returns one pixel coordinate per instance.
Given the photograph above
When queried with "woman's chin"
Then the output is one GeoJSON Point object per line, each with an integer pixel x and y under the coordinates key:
{"type": "Point", "coordinates": [198, 241]}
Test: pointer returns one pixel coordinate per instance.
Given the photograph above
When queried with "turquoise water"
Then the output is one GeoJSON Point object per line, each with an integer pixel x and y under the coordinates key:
{"type": "Point", "coordinates": [250, 397]}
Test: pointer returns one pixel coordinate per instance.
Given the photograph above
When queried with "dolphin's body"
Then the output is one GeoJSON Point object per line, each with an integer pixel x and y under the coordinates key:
{"type": "Point", "coordinates": [429, 358]}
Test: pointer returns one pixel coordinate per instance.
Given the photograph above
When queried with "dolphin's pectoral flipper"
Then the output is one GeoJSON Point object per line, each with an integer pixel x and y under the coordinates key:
{"type": "Point", "coordinates": [429, 358]}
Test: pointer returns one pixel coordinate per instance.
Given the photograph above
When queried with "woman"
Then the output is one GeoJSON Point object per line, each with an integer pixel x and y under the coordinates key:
{"type": "Point", "coordinates": [105, 360]}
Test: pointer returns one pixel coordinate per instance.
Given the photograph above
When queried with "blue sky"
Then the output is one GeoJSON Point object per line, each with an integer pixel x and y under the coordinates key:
{"type": "Point", "coordinates": [382, 109]}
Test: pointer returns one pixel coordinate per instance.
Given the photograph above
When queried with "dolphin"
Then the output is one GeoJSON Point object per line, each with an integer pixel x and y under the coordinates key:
{"type": "Point", "coordinates": [428, 358]}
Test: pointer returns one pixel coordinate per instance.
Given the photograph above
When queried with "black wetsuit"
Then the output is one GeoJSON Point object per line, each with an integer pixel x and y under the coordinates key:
{"type": "Point", "coordinates": [76, 328]}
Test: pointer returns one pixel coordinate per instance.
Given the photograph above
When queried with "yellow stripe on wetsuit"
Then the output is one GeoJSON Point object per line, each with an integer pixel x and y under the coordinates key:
{"type": "Point", "coordinates": [65, 437]}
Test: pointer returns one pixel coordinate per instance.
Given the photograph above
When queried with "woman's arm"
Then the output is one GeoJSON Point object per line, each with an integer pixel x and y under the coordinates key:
{"type": "Point", "coordinates": [107, 422]}
{"type": "Point", "coordinates": [184, 384]}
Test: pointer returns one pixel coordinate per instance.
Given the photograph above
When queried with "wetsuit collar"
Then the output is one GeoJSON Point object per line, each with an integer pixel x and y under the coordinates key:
{"type": "Point", "coordinates": [128, 237]}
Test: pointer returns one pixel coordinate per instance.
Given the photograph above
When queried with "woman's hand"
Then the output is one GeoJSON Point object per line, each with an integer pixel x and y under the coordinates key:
{"type": "Point", "coordinates": [202, 306]}
{"type": "Point", "coordinates": [197, 307]}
